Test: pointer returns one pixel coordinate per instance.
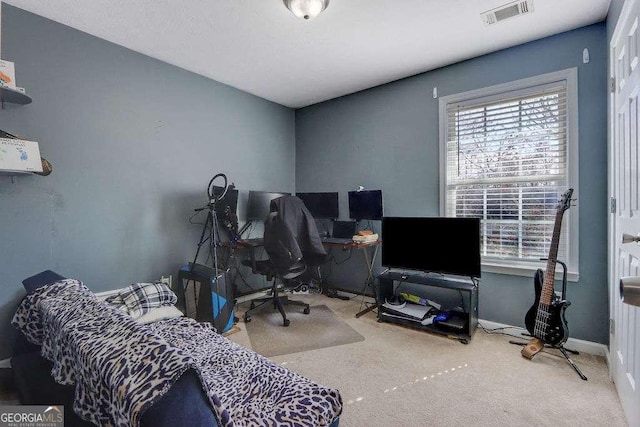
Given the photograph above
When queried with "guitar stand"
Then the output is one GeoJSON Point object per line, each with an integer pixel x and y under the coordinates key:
{"type": "Point", "coordinates": [573, 365]}
{"type": "Point", "coordinates": [564, 352]}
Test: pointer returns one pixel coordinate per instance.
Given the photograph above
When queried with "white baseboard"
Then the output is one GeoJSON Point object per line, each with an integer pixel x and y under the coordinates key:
{"type": "Point", "coordinates": [5, 364]}
{"type": "Point", "coordinates": [572, 343]}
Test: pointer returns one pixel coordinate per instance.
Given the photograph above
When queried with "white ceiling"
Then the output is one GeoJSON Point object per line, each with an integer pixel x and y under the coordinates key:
{"type": "Point", "coordinates": [260, 47]}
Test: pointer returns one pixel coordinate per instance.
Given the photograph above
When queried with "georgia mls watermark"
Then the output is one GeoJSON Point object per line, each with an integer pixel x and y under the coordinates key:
{"type": "Point", "coordinates": [31, 416]}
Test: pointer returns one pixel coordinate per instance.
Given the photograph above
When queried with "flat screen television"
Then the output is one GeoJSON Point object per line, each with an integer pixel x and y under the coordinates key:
{"type": "Point", "coordinates": [259, 204]}
{"type": "Point", "coordinates": [365, 204]}
{"type": "Point", "coordinates": [432, 244]}
{"type": "Point", "coordinates": [321, 205]}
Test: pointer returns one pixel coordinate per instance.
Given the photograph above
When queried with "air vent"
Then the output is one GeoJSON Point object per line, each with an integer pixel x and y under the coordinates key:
{"type": "Point", "coordinates": [507, 11]}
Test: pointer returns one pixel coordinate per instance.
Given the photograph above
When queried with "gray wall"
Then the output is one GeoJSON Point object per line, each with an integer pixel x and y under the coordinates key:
{"type": "Point", "coordinates": [133, 143]}
{"type": "Point", "coordinates": [387, 137]}
{"type": "Point", "coordinates": [612, 17]}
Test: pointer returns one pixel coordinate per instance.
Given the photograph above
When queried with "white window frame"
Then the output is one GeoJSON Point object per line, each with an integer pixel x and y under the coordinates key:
{"type": "Point", "coordinates": [570, 219]}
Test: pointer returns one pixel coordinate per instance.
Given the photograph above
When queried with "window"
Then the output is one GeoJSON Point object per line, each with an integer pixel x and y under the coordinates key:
{"type": "Point", "coordinates": [507, 154]}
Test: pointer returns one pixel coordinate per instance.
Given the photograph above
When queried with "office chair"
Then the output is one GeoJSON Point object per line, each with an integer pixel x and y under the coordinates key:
{"type": "Point", "coordinates": [294, 247]}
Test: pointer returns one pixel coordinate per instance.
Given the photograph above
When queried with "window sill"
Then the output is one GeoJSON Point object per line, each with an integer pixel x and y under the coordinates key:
{"type": "Point", "coordinates": [527, 270]}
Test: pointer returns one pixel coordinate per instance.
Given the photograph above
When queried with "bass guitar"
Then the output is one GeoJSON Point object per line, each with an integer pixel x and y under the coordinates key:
{"type": "Point", "coordinates": [545, 320]}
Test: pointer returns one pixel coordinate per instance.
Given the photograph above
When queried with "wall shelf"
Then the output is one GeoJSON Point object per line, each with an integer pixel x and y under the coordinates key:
{"type": "Point", "coordinates": [13, 96]}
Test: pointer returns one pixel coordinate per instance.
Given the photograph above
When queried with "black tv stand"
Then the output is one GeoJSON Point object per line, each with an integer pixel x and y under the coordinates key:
{"type": "Point", "coordinates": [467, 287]}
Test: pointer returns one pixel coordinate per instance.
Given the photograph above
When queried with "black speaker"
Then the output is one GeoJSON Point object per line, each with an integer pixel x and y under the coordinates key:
{"type": "Point", "coordinates": [207, 297]}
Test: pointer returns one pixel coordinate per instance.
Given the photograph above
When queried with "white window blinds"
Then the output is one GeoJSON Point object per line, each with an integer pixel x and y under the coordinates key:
{"type": "Point", "coordinates": [506, 163]}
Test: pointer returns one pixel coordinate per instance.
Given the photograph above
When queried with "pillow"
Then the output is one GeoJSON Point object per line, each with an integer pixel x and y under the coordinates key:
{"type": "Point", "coordinates": [140, 298]}
{"type": "Point", "coordinates": [115, 300]}
{"type": "Point", "coordinates": [41, 279]}
{"type": "Point", "coordinates": [160, 313]}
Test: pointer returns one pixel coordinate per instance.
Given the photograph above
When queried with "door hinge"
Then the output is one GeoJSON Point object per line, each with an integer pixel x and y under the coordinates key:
{"type": "Point", "coordinates": [612, 84]}
{"type": "Point", "coordinates": [612, 327]}
{"type": "Point", "coordinates": [612, 206]}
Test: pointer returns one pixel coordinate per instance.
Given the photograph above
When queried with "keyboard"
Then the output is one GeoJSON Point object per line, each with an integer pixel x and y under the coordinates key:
{"type": "Point", "coordinates": [337, 240]}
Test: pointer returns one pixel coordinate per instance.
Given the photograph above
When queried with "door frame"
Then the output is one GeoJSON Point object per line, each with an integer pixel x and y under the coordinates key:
{"type": "Point", "coordinates": [611, 181]}
{"type": "Point", "coordinates": [627, 13]}
{"type": "Point", "coordinates": [611, 184]}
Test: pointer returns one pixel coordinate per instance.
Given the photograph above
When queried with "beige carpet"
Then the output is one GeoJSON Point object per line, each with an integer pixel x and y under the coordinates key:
{"type": "Point", "coordinates": [320, 328]}
{"type": "Point", "coordinates": [404, 377]}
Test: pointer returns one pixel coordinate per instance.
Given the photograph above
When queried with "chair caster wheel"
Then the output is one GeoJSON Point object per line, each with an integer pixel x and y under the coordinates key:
{"type": "Point", "coordinates": [252, 305]}
{"type": "Point", "coordinates": [247, 319]}
{"type": "Point", "coordinates": [306, 310]}
{"type": "Point", "coordinates": [287, 322]}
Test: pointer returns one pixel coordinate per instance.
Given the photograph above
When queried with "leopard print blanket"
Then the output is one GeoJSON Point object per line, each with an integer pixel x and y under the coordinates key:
{"type": "Point", "coordinates": [120, 367]}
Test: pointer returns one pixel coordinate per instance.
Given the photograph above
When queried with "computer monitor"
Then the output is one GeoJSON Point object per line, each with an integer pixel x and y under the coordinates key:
{"type": "Point", "coordinates": [259, 204]}
{"type": "Point", "coordinates": [226, 207]}
{"type": "Point", "coordinates": [365, 204]}
{"type": "Point", "coordinates": [344, 229]}
{"type": "Point", "coordinates": [321, 205]}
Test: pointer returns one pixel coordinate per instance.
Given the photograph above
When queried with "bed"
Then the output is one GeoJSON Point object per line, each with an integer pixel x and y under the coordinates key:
{"type": "Point", "coordinates": [115, 370]}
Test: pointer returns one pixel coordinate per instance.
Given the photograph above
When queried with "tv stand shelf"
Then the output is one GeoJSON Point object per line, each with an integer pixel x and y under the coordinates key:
{"type": "Point", "coordinates": [467, 288]}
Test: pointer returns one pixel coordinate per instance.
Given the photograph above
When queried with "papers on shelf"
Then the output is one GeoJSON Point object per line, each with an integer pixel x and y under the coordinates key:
{"type": "Point", "coordinates": [17, 155]}
{"type": "Point", "coordinates": [417, 300]}
{"type": "Point", "coordinates": [7, 74]}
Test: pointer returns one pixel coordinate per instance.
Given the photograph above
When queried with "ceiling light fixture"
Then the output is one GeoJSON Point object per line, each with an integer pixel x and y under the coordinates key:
{"type": "Point", "coordinates": [306, 9]}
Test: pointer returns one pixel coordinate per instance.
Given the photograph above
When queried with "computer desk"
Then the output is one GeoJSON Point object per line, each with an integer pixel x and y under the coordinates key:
{"type": "Point", "coordinates": [247, 243]}
{"type": "Point", "coordinates": [369, 251]}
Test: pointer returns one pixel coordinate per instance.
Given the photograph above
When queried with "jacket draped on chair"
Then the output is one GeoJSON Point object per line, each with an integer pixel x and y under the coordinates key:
{"type": "Point", "coordinates": [291, 235]}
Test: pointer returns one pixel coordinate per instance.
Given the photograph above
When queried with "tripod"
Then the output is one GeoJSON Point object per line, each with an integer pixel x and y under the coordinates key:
{"type": "Point", "coordinates": [208, 277]}
{"type": "Point", "coordinates": [210, 228]}
{"type": "Point", "coordinates": [538, 344]}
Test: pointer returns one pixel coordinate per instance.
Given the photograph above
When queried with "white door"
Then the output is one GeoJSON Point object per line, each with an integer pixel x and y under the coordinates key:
{"type": "Point", "coordinates": [624, 187]}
